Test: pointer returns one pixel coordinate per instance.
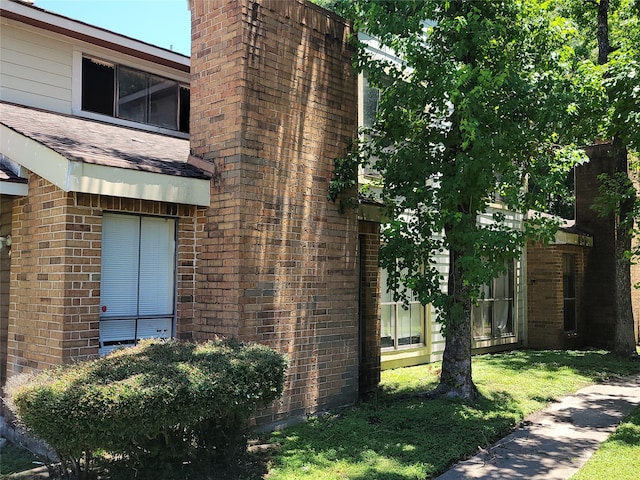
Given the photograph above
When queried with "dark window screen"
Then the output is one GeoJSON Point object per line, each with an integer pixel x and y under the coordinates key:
{"type": "Point", "coordinates": [97, 87]}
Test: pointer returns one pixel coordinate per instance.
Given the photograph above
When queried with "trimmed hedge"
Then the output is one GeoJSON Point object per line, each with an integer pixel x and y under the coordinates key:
{"type": "Point", "coordinates": [155, 407]}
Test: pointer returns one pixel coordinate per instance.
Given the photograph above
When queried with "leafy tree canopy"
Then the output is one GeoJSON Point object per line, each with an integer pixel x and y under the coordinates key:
{"type": "Point", "coordinates": [476, 108]}
{"type": "Point", "coordinates": [614, 76]}
{"type": "Point", "coordinates": [478, 103]}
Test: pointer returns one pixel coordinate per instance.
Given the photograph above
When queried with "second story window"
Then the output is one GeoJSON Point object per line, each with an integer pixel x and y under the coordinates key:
{"type": "Point", "coordinates": [124, 92]}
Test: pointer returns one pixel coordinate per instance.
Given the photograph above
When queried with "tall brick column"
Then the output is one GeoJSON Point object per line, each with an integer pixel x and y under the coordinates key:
{"type": "Point", "coordinates": [599, 300]}
{"type": "Point", "coordinates": [369, 306]}
{"type": "Point", "coordinates": [273, 102]}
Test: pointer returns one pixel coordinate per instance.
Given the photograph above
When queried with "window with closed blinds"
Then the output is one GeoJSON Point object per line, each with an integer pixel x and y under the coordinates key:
{"type": "Point", "coordinates": [137, 279]}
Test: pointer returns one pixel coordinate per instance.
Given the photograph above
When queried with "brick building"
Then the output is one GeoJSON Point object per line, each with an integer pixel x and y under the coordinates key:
{"type": "Point", "coordinates": [571, 284]}
{"type": "Point", "coordinates": [144, 194]}
{"type": "Point", "coordinates": [148, 194]}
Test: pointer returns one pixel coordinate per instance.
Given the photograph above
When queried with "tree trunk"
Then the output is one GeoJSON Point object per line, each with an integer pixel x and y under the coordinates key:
{"type": "Point", "coordinates": [455, 379]}
{"type": "Point", "coordinates": [604, 47]}
{"type": "Point", "coordinates": [624, 343]}
{"type": "Point", "coordinates": [624, 339]}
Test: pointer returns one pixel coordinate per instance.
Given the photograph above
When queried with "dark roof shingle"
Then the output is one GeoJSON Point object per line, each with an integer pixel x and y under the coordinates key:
{"type": "Point", "coordinates": [90, 141]}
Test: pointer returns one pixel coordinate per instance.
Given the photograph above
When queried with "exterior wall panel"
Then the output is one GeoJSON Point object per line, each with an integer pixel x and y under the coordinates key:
{"type": "Point", "coordinates": [36, 69]}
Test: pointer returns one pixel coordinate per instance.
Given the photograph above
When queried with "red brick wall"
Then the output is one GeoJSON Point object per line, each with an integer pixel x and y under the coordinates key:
{"type": "Point", "coordinates": [6, 206]}
{"type": "Point", "coordinates": [273, 102]}
{"type": "Point", "coordinates": [545, 301]}
{"type": "Point", "coordinates": [369, 374]}
{"type": "Point", "coordinates": [55, 272]}
{"type": "Point", "coordinates": [600, 308]}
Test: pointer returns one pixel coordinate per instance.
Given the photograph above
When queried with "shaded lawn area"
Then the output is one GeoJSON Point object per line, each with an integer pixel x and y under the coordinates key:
{"type": "Point", "coordinates": [16, 459]}
{"type": "Point", "coordinates": [393, 438]}
{"type": "Point", "coordinates": [619, 457]}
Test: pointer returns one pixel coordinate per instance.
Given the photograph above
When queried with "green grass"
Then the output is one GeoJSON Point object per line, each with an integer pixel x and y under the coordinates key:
{"type": "Point", "coordinates": [16, 459]}
{"type": "Point", "coordinates": [391, 438]}
{"type": "Point", "coordinates": [619, 457]}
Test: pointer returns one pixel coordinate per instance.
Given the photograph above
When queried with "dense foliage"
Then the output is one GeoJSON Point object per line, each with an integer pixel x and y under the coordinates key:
{"type": "Point", "coordinates": [608, 44]}
{"type": "Point", "coordinates": [158, 408]}
{"type": "Point", "coordinates": [474, 107]}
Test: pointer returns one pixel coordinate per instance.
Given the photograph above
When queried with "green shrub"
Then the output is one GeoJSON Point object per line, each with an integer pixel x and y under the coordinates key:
{"type": "Point", "coordinates": [158, 408]}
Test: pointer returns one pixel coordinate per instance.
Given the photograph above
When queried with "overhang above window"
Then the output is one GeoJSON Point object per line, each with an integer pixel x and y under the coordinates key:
{"type": "Point", "coordinates": [79, 155]}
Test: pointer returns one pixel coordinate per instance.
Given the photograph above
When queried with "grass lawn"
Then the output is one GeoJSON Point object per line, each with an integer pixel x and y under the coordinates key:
{"type": "Point", "coordinates": [390, 438]}
{"type": "Point", "coordinates": [15, 459]}
{"type": "Point", "coordinates": [619, 457]}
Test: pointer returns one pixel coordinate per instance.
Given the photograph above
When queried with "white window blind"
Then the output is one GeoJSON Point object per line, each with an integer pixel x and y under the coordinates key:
{"type": "Point", "coordinates": [137, 279]}
{"type": "Point", "coordinates": [120, 259]}
{"type": "Point", "coordinates": [157, 247]}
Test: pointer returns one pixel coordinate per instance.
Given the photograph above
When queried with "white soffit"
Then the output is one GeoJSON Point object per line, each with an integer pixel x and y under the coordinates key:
{"type": "Point", "coordinates": [8, 187]}
{"type": "Point", "coordinates": [12, 188]}
{"type": "Point", "coordinates": [73, 176]}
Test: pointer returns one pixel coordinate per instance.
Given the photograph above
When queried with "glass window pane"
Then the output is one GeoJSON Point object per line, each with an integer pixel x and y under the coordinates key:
{"type": "Point", "coordinates": [387, 326]}
{"type": "Point", "coordinates": [404, 326]}
{"type": "Point", "coordinates": [154, 328]}
{"type": "Point", "coordinates": [119, 271]}
{"type": "Point", "coordinates": [386, 294]}
{"type": "Point", "coordinates": [185, 102]}
{"type": "Point", "coordinates": [132, 94]}
{"type": "Point", "coordinates": [98, 85]}
{"type": "Point", "coordinates": [163, 102]}
{"type": "Point", "coordinates": [570, 324]}
{"type": "Point", "coordinates": [481, 319]}
{"type": "Point", "coordinates": [370, 100]}
{"type": "Point", "coordinates": [502, 317]}
{"type": "Point", "coordinates": [501, 287]}
{"type": "Point", "coordinates": [416, 323]}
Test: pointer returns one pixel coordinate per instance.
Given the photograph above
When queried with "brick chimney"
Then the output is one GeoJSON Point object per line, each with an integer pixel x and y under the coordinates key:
{"type": "Point", "coordinates": [273, 103]}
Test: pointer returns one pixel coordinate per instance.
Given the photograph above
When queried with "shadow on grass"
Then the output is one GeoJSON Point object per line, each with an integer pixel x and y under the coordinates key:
{"type": "Point", "coordinates": [393, 436]}
{"type": "Point", "coordinates": [394, 440]}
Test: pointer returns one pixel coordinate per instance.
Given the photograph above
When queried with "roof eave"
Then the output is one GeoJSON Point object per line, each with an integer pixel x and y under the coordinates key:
{"type": "Point", "coordinates": [75, 176]}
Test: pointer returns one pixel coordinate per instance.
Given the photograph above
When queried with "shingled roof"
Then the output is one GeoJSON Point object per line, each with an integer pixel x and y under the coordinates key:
{"type": "Point", "coordinates": [94, 142]}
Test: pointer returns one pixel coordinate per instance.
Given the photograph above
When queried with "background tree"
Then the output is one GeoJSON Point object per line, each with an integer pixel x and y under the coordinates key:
{"type": "Point", "coordinates": [472, 110]}
{"type": "Point", "coordinates": [610, 33]}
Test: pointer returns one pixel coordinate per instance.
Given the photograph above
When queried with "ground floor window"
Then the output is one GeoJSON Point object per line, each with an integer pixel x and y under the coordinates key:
{"type": "Point", "coordinates": [492, 315]}
{"type": "Point", "coordinates": [137, 291]}
{"type": "Point", "coordinates": [400, 326]}
{"type": "Point", "coordinates": [569, 292]}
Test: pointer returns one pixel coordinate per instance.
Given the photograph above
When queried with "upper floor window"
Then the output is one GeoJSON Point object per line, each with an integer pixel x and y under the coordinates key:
{"type": "Point", "coordinates": [130, 94]}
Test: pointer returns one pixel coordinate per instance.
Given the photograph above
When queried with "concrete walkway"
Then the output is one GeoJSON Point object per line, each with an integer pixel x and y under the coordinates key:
{"type": "Point", "coordinates": [555, 443]}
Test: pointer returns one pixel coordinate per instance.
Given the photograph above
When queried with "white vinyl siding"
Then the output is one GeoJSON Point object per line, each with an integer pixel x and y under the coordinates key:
{"type": "Point", "coordinates": [137, 280]}
{"type": "Point", "coordinates": [36, 69]}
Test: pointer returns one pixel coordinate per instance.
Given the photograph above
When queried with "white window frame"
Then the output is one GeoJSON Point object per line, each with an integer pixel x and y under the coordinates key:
{"type": "Point", "coordinates": [488, 303]}
{"type": "Point", "coordinates": [76, 89]}
{"type": "Point", "coordinates": [131, 308]}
